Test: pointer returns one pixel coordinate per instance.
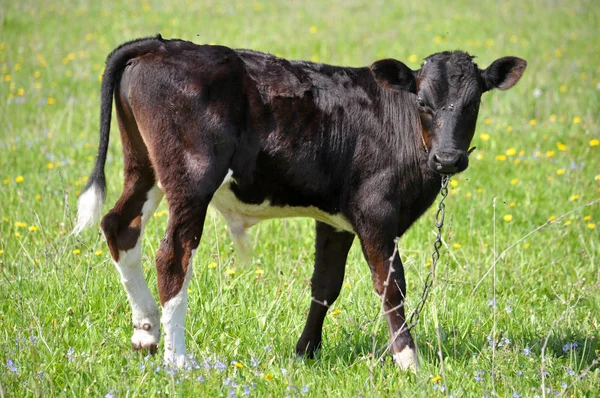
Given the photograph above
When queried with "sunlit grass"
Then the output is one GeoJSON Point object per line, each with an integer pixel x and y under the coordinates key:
{"type": "Point", "coordinates": [64, 318]}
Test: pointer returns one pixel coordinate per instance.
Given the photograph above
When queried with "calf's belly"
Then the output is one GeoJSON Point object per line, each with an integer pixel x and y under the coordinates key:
{"type": "Point", "coordinates": [240, 215]}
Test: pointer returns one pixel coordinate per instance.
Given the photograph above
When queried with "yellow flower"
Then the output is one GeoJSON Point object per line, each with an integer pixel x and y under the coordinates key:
{"type": "Point", "coordinates": [507, 218]}
{"type": "Point", "coordinates": [479, 156]}
{"type": "Point", "coordinates": [212, 265]}
{"type": "Point", "coordinates": [7, 78]}
{"type": "Point", "coordinates": [526, 245]}
{"type": "Point", "coordinates": [514, 181]}
{"type": "Point", "coordinates": [453, 183]}
{"type": "Point", "coordinates": [561, 147]}
{"type": "Point", "coordinates": [259, 271]}
{"type": "Point", "coordinates": [437, 39]}
{"type": "Point", "coordinates": [512, 204]}
{"type": "Point", "coordinates": [591, 225]}
{"type": "Point", "coordinates": [457, 245]}
{"type": "Point", "coordinates": [479, 190]}
{"type": "Point", "coordinates": [76, 251]}
{"type": "Point", "coordinates": [563, 89]}
{"type": "Point", "coordinates": [50, 101]}
{"type": "Point", "coordinates": [230, 271]}
{"type": "Point", "coordinates": [98, 252]}
{"type": "Point", "coordinates": [37, 74]}
{"type": "Point", "coordinates": [268, 376]}
{"type": "Point", "coordinates": [587, 218]}
{"type": "Point", "coordinates": [336, 312]}
{"type": "Point", "coordinates": [553, 117]}
{"type": "Point", "coordinates": [20, 224]}
{"type": "Point", "coordinates": [501, 157]}
{"type": "Point", "coordinates": [484, 137]}
{"type": "Point", "coordinates": [487, 120]}
{"type": "Point", "coordinates": [532, 122]}
{"type": "Point", "coordinates": [594, 142]}
{"type": "Point", "coordinates": [560, 172]}
{"type": "Point", "coordinates": [19, 179]}
{"type": "Point", "coordinates": [597, 177]}
{"type": "Point", "coordinates": [50, 165]}
{"type": "Point", "coordinates": [313, 29]}
{"type": "Point", "coordinates": [18, 235]}
{"type": "Point", "coordinates": [33, 228]}
{"type": "Point", "coordinates": [576, 120]}
{"type": "Point", "coordinates": [468, 195]}
{"type": "Point", "coordinates": [552, 218]}
{"type": "Point", "coordinates": [1, 252]}
{"type": "Point", "coordinates": [427, 264]}
{"type": "Point", "coordinates": [568, 222]}
{"type": "Point", "coordinates": [238, 365]}
{"type": "Point", "coordinates": [4, 219]}
{"type": "Point", "coordinates": [412, 58]}
{"type": "Point", "coordinates": [511, 152]}
{"type": "Point", "coordinates": [436, 379]}
{"type": "Point", "coordinates": [573, 198]}
{"type": "Point", "coordinates": [549, 154]}
{"type": "Point", "coordinates": [38, 197]}
{"type": "Point", "coordinates": [550, 178]}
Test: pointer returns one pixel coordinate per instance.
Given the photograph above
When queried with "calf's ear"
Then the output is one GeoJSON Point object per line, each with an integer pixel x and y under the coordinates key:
{"type": "Point", "coordinates": [503, 73]}
{"type": "Point", "coordinates": [393, 74]}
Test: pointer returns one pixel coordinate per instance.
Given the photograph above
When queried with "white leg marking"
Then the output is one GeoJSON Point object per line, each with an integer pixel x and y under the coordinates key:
{"type": "Point", "coordinates": [407, 359]}
{"type": "Point", "coordinates": [173, 320]}
{"type": "Point", "coordinates": [144, 310]}
{"type": "Point", "coordinates": [89, 208]}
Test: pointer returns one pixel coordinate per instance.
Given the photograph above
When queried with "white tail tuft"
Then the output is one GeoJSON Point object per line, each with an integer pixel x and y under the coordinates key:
{"type": "Point", "coordinates": [89, 208]}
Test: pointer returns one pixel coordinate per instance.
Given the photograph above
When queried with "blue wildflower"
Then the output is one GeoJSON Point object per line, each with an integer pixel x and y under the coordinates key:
{"type": "Point", "coordinates": [200, 379]}
{"type": "Point", "coordinates": [527, 351]}
{"type": "Point", "coordinates": [305, 389]}
{"type": "Point", "coordinates": [110, 395]}
{"type": "Point", "coordinates": [516, 395]}
{"type": "Point", "coordinates": [11, 366]}
{"type": "Point", "coordinates": [570, 372]}
{"type": "Point", "coordinates": [254, 362]}
{"type": "Point", "coordinates": [563, 384]}
{"type": "Point", "coordinates": [246, 390]}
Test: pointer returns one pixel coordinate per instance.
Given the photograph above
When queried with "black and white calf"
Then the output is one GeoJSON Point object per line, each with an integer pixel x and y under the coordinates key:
{"type": "Point", "coordinates": [361, 150]}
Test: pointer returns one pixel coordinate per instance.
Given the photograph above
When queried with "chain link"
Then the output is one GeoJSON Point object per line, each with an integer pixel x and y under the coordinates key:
{"type": "Point", "coordinates": [435, 256]}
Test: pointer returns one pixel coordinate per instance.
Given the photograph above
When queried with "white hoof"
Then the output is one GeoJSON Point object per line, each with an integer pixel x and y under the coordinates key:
{"type": "Point", "coordinates": [174, 359]}
{"type": "Point", "coordinates": [146, 337]}
{"type": "Point", "coordinates": [407, 359]}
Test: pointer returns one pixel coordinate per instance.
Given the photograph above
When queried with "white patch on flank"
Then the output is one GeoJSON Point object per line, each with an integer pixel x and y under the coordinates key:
{"type": "Point", "coordinates": [407, 359]}
{"type": "Point", "coordinates": [89, 208]}
{"type": "Point", "coordinates": [241, 216]}
{"type": "Point", "coordinates": [173, 320]}
{"type": "Point", "coordinates": [144, 310]}
{"type": "Point", "coordinates": [227, 177]}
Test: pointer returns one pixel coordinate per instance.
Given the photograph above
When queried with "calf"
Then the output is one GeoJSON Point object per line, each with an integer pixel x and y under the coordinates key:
{"type": "Point", "coordinates": [361, 150]}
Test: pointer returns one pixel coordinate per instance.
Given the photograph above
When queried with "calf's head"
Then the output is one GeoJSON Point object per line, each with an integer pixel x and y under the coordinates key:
{"type": "Point", "coordinates": [447, 92]}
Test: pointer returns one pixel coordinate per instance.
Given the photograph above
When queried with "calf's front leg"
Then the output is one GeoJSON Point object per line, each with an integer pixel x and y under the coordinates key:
{"type": "Point", "coordinates": [389, 283]}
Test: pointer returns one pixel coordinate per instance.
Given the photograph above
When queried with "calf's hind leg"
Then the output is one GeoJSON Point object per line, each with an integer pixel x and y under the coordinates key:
{"type": "Point", "coordinates": [123, 227]}
{"type": "Point", "coordinates": [331, 251]}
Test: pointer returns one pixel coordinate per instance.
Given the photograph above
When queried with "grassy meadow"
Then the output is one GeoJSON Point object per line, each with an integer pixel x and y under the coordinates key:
{"type": "Point", "coordinates": [515, 308]}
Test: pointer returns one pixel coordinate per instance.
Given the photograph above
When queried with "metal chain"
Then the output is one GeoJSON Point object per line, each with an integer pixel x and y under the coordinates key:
{"type": "Point", "coordinates": [435, 256]}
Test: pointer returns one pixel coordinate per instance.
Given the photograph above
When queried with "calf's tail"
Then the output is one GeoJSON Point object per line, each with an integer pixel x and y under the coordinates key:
{"type": "Point", "coordinates": [89, 205]}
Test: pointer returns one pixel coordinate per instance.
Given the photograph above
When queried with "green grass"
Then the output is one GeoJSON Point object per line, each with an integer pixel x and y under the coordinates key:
{"type": "Point", "coordinates": [59, 293]}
